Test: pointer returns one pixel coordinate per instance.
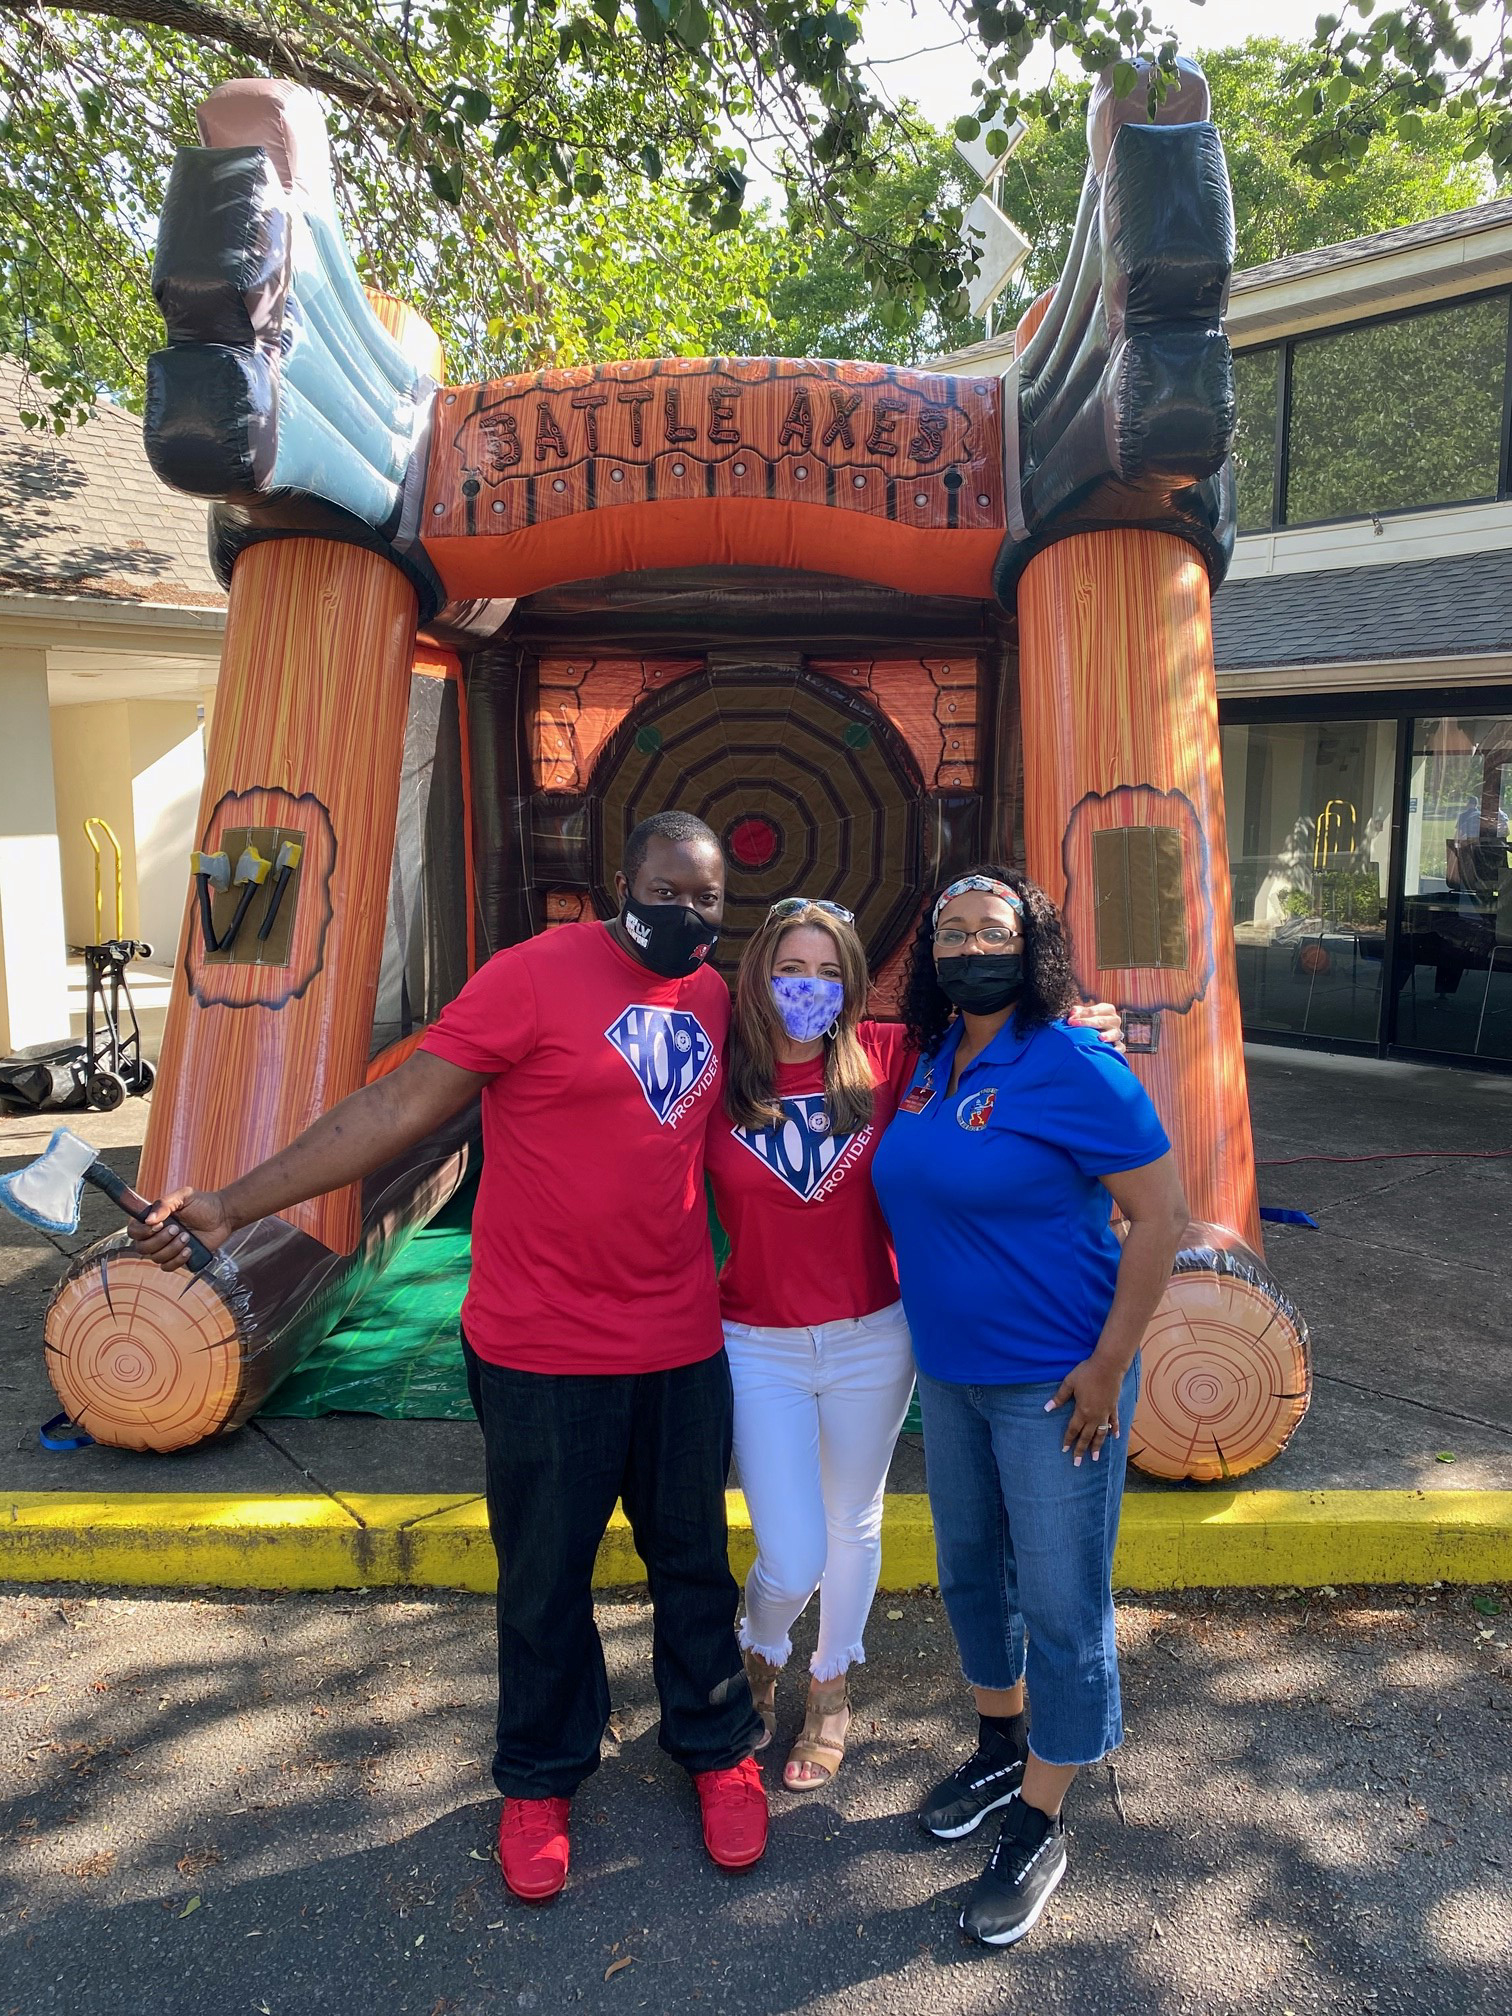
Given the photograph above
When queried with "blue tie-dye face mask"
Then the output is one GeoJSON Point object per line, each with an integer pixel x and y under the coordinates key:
{"type": "Point", "coordinates": [807, 1006]}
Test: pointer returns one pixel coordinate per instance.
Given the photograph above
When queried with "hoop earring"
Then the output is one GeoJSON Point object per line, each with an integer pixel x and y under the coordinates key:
{"type": "Point", "coordinates": [833, 1030]}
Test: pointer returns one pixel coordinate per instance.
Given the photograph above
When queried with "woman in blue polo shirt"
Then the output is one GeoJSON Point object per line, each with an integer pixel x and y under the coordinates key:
{"type": "Point", "coordinates": [1026, 1314]}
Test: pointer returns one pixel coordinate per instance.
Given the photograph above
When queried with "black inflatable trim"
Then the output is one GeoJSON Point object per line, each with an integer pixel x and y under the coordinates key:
{"type": "Point", "coordinates": [1125, 393]}
{"type": "Point", "coordinates": [237, 523]}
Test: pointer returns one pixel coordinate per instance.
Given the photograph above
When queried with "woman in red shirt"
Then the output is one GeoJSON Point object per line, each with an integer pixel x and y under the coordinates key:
{"type": "Point", "coordinates": [819, 1350]}
{"type": "Point", "coordinates": [820, 1355]}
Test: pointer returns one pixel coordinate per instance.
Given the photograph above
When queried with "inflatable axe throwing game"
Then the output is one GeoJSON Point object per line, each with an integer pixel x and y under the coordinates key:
{"type": "Point", "coordinates": [870, 623]}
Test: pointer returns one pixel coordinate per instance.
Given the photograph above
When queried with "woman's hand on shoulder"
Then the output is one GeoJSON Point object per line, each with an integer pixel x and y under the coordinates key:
{"type": "Point", "coordinates": [1092, 1389]}
{"type": "Point", "coordinates": [1101, 1016]}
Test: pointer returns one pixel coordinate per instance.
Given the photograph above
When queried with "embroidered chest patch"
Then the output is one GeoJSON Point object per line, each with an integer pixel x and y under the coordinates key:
{"type": "Point", "coordinates": [671, 1055]}
{"type": "Point", "coordinates": [974, 1113]}
{"type": "Point", "coordinates": [802, 1152]}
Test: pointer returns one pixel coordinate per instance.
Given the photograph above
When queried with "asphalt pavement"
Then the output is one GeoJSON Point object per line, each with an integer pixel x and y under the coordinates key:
{"type": "Point", "coordinates": [278, 1806]}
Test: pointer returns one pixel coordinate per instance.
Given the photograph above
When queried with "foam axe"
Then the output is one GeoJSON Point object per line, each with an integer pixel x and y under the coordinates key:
{"type": "Point", "coordinates": [47, 1193]}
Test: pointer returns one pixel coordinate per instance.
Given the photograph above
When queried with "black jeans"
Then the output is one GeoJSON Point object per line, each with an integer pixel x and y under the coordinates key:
{"type": "Point", "coordinates": [560, 1449]}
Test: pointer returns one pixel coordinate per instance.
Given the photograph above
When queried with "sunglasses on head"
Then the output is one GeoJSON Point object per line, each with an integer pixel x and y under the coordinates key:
{"type": "Point", "coordinates": [791, 905]}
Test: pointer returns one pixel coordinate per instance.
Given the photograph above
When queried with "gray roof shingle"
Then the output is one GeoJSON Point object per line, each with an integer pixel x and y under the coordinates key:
{"type": "Point", "coordinates": [1378, 245]}
{"type": "Point", "coordinates": [1451, 608]}
{"type": "Point", "coordinates": [83, 514]}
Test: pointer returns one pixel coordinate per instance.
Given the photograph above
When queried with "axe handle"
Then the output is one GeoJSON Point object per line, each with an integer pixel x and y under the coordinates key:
{"type": "Point", "coordinates": [135, 1205]}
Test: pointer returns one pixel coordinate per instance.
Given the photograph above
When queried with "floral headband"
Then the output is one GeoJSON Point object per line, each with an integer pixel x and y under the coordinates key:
{"type": "Point", "coordinates": [987, 884]}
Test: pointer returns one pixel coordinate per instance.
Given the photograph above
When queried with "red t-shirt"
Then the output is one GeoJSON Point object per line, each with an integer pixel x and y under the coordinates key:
{"type": "Point", "coordinates": [590, 1249]}
{"type": "Point", "coordinates": [808, 1242]}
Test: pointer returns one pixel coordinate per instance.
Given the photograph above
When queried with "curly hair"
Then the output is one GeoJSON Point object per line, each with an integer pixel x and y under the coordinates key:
{"type": "Point", "coordinates": [1050, 988]}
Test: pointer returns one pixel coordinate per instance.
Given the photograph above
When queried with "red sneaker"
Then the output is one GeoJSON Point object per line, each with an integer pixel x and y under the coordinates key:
{"type": "Point", "coordinates": [734, 1806]}
{"type": "Point", "coordinates": [533, 1847]}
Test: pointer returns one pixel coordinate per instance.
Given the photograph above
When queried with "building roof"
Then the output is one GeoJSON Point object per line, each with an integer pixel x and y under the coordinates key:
{"type": "Point", "coordinates": [85, 516]}
{"type": "Point", "coordinates": [1457, 607]}
{"type": "Point", "coordinates": [1377, 245]}
{"type": "Point", "coordinates": [1433, 261]}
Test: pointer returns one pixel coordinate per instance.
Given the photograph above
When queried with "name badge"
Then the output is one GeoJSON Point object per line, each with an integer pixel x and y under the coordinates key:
{"type": "Point", "coordinates": [917, 1097]}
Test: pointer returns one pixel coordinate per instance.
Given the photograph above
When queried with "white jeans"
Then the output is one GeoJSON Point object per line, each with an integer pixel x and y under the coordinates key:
{"type": "Point", "coordinates": [817, 1412]}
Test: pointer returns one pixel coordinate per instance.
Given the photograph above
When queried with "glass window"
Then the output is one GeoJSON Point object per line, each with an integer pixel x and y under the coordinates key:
{"type": "Point", "coordinates": [1309, 834]}
{"type": "Point", "coordinates": [1399, 415]}
{"type": "Point", "coordinates": [1454, 954]}
{"type": "Point", "coordinates": [1257, 381]}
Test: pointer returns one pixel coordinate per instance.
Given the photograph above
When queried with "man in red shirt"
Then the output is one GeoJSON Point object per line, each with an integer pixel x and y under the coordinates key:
{"type": "Point", "coordinates": [591, 1325]}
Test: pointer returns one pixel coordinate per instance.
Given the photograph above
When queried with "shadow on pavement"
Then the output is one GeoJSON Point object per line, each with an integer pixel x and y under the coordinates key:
{"type": "Point", "coordinates": [1315, 1792]}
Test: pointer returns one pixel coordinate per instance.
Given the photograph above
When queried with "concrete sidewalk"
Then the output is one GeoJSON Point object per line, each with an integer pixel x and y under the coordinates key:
{"type": "Point", "coordinates": [1407, 1288]}
{"type": "Point", "coordinates": [281, 1807]}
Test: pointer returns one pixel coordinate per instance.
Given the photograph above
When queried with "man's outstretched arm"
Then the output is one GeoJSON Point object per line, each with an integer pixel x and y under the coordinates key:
{"type": "Point", "coordinates": [359, 1135]}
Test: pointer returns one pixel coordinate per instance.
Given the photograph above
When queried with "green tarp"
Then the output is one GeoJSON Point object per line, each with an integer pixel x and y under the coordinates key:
{"type": "Point", "coordinates": [397, 1352]}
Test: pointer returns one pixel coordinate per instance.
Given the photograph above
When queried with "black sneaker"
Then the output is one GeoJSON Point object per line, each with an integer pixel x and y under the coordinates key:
{"type": "Point", "coordinates": [1020, 1878]}
{"type": "Point", "coordinates": [961, 1802]}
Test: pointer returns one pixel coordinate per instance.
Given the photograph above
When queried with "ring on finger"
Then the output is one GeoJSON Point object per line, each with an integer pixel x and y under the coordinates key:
{"type": "Point", "coordinates": [1103, 1428]}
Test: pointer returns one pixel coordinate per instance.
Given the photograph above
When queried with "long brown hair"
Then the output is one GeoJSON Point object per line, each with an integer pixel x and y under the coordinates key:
{"type": "Point", "coordinates": [751, 1067]}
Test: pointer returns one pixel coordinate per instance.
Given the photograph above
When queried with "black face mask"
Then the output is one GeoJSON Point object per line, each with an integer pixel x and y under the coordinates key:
{"type": "Point", "coordinates": [671, 939]}
{"type": "Point", "coordinates": [981, 983]}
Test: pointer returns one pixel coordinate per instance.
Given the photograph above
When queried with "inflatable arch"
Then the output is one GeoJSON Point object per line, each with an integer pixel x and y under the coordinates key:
{"type": "Point", "coordinates": [868, 622]}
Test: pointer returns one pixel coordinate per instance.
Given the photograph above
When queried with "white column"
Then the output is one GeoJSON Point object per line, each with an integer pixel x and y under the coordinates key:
{"type": "Point", "coordinates": [33, 947]}
{"type": "Point", "coordinates": [167, 771]}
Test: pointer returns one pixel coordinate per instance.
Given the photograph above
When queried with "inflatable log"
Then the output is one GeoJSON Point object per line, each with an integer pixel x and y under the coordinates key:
{"type": "Point", "coordinates": [475, 631]}
{"type": "Point", "coordinates": [1125, 391]}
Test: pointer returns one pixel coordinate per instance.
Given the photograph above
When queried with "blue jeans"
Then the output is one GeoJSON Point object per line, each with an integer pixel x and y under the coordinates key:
{"type": "Point", "coordinates": [1025, 1546]}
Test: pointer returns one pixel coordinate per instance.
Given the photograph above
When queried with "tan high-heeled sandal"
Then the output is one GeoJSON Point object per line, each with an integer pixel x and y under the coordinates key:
{"type": "Point", "coordinates": [817, 1744]}
{"type": "Point", "coordinates": [763, 1678]}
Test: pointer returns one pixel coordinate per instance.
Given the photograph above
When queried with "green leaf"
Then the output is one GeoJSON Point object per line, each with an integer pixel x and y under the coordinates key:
{"type": "Point", "coordinates": [694, 24]}
{"type": "Point", "coordinates": [446, 180]}
{"type": "Point", "coordinates": [967, 128]}
{"type": "Point", "coordinates": [653, 18]}
{"type": "Point", "coordinates": [1444, 1456]}
{"type": "Point", "coordinates": [651, 161]}
{"type": "Point", "coordinates": [1486, 1605]}
{"type": "Point", "coordinates": [473, 105]}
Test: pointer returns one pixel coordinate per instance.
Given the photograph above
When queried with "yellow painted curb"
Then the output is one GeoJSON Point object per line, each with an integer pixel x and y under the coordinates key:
{"type": "Point", "coordinates": [1169, 1540]}
{"type": "Point", "coordinates": [1306, 1539]}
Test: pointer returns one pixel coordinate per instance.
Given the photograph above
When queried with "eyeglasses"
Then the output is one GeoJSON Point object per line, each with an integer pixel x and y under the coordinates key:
{"type": "Point", "coordinates": [791, 905]}
{"type": "Point", "coordinates": [991, 938]}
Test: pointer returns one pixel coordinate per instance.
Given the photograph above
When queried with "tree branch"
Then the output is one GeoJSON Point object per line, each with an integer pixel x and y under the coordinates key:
{"type": "Point", "coordinates": [282, 55]}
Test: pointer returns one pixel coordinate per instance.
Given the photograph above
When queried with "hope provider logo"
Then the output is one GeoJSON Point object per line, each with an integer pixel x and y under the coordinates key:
{"type": "Point", "coordinates": [802, 1152]}
{"type": "Point", "coordinates": [670, 1054]}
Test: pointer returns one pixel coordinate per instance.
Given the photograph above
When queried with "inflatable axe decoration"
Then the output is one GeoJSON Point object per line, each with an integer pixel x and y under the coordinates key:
{"type": "Point", "coordinates": [47, 1193]}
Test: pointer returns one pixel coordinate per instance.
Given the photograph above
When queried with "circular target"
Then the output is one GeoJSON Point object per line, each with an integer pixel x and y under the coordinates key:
{"type": "Point", "coordinates": [140, 1358]}
{"type": "Point", "coordinates": [1226, 1375]}
{"type": "Point", "coordinates": [754, 841]}
{"type": "Point", "coordinates": [810, 789]}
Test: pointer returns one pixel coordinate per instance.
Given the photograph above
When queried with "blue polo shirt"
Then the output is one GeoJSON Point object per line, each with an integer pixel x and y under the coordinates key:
{"type": "Point", "coordinates": [1006, 1255]}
